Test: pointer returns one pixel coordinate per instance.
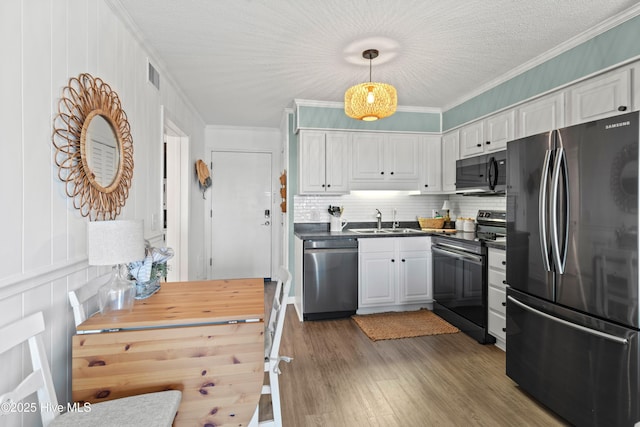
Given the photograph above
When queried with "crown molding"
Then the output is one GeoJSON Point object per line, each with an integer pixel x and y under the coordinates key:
{"type": "Point", "coordinates": [601, 28]}
{"type": "Point", "coordinates": [340, 105]}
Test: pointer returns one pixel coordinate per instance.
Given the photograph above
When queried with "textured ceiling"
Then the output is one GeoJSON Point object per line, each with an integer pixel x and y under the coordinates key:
{"type": "Point", "coordinates": [241, 62]}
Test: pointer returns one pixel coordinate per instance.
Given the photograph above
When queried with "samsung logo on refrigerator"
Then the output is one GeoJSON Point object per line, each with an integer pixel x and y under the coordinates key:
{"type": "Point", "coordinates": [617, 125]}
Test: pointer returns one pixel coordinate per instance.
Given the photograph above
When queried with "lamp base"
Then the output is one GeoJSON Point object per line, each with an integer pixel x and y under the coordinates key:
{"type": "Point", "coordinates": [118, 293]}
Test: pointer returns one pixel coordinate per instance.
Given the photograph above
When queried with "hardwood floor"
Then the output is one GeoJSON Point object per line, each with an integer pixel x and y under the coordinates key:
{"type": "Point", "coordinates": [340, 378]}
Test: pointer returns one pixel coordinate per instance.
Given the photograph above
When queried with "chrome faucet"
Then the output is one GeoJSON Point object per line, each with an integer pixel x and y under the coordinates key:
{"type": "Point", "coordinates": [395, 223]}
{"type": "Point", "coordinates": [379, 217]}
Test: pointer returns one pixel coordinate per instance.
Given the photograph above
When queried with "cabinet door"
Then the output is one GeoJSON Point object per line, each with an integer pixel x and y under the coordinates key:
{"type": "Point", "coordinates": [402, 158]}
{"type": "Point", "coordinates": [367, 157]}
{"type": "Point", "coordinates": [542, 115]}
{"type": "Point", "coordinates": [377, 279]}
{"type": "Point", "coordinates": [414, 278]}
{"type": "Point", "coordinates": [432, 165]}
{"type": "Point", "coordinates": [498, 130]}
{"type": "Point", "coordinates": [312, 162]}
{"type": "Point", "coordinates": [600, 97]}
{"type": "Point", "coordinates": [337, 162]}
{"type": "Point", "coordinates": [450, 146]}
{"type": "Point", "coordinates": [472, 139]}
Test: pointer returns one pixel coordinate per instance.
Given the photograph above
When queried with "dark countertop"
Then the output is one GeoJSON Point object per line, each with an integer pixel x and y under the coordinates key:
{"type": "Point", "coordinates": [310, 231]}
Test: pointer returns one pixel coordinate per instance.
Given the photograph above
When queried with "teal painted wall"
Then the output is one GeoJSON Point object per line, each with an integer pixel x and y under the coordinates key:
{"type": "Point", "coordinates": [335, 118]}
{"type": "Point", "coordinates": [607, 49]}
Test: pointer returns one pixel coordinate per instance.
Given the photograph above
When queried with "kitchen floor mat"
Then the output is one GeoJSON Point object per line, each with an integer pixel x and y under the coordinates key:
{"type": "Point", "coordinates": [404, 324]}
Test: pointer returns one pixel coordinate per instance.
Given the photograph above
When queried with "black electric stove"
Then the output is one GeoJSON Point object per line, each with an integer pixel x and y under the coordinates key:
{"type": "Point", "coordinates": [460, 274]}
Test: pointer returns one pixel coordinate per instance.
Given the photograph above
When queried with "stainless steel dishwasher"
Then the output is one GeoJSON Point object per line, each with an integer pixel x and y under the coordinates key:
{"type": "Point", "coordinates": [330, 286]}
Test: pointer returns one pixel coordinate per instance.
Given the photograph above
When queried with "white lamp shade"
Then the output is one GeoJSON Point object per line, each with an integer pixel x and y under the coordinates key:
{"type": "Point", "coordinates": [115, 242]}
{"type": "Point", "coordinates": [445, 205]}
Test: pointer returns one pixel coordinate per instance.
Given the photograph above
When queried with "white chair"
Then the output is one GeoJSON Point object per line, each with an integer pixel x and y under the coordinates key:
{"type": "Point", "coordinates": [151, 409]}
{"type": "Point", "coordinates": [272, 338]}
{"type": "Point", "coordinates": [80, 296]}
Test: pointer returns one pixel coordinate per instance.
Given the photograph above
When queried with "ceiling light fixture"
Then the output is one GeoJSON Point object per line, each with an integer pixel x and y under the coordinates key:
{"type": "Point", "coordinates": [370, 101]}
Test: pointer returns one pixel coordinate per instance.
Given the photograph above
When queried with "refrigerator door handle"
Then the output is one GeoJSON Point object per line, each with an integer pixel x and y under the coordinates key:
{"type": "Point", "coordinates": [604, 335]}
{"type": "Point", "coordinates": [542, 211]}
{"type": "Point", "coordinates": [559, 252]}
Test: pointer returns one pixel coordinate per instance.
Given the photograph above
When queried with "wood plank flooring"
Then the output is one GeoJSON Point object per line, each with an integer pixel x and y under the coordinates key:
{"type": "Point", "coordinates": [340, 378]}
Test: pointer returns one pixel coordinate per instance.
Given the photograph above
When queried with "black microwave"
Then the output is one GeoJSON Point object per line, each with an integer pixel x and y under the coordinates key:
{"type": "Point", "coordinates": [482, 175]}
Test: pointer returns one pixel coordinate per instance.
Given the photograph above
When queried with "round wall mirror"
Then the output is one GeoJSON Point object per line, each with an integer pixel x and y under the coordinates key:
{"type": "Point", "coordinates": [100, 149]}
{"type": "Point", "coordinates": [94, 148]}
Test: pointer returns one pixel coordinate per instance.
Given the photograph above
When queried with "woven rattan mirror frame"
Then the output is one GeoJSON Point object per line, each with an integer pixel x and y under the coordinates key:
{"type": "Point", "coordinates": [84, 98]}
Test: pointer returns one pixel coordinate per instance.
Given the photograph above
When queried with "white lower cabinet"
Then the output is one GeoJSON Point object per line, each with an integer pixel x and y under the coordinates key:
{"type": "Point", "coordinates": [394, 274]}
{"type": "Point", "coordinates": [497, 296]}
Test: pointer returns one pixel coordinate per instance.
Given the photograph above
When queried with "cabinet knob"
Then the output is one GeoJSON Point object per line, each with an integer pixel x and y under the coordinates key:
{"type": "Point", "coordinates": [504, 282]}
{"type": "Point", "coordinates": [323, 186]}
{"type": "Point", "coordinates": [504, 304]}
{"type": "Point", "coordinates": [488, 142]}
{"type": "Point", "coordinates": [382, 173]}
{"type": "Point", "coordinates": [328, 185]}
{"type": "Point", "coordinates": [504, 329]}
{"type": "Point", "coordinates": [393, 260]}
{"type": "Point", "coordinates": [426, 185]}
{"type": "Point", "coordinates": [504, 262]}
{"type": "Point", "coordinates": [478, 145]}
{"type": "Point", "coordinates": [391, 173]}
{"type": "Point", "coordinates": [622, 108]}
{"type": "Point", "coordinates": [403, 260]}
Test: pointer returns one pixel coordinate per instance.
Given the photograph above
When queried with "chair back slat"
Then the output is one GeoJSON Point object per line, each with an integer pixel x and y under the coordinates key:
{"type": "Point", "coordinates": [39, 380]}
{"type": "Point", "coordinates": [280, 300]}
{"type": "Point", "coordinates": [80, 296]}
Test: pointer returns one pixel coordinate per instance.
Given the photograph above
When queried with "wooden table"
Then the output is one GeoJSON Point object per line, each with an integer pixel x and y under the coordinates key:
{"type": "Point", "coordinates": [203, 338]}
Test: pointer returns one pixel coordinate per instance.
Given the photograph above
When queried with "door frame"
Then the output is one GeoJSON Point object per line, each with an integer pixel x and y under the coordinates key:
{"type": "Point", "coordinates": [180, 204]}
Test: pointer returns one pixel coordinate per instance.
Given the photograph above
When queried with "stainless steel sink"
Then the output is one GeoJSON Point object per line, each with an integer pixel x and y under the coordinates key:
{"type": "Point", "coordinates": [386, 230]}
{"type": "Point", "coordinates": [370, 230]}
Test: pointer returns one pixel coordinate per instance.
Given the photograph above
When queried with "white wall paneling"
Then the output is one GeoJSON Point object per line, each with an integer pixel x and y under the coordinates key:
{"type": "Point", "coordinates": [43, 251]}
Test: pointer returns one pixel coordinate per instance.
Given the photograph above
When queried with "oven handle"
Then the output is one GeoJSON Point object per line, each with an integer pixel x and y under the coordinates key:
{"type": "Point", "coordinates": [458, 255]}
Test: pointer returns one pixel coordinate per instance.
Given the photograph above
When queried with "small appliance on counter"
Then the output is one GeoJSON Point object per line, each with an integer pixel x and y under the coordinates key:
{"type": "Point", "coordinates": [460, 286]}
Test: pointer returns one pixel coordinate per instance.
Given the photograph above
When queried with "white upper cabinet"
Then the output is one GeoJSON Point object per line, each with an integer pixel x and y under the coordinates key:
{"type": "Point", "coordinates": [472, 139]}
{"type": "Point", "coordinates": [490, 134]}
{"type": "Point", "coordinates": [450, 150]}
{"type": "Point", "coordinates": [324, 162]}
{"type": "Point", "coordinates": [541, 115]}
{"type": "Point", "coordinates": [431, 165]}
{"type": "Point", "coordinates": [385, 161]}
{"type": "Point", "coordinates": [600, 97]}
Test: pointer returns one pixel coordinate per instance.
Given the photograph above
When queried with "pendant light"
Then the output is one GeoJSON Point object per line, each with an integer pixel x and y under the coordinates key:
{"type": "Point", "coordinates": [370, 101]}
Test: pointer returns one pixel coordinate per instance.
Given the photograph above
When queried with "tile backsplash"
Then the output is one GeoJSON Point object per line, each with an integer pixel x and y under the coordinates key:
{"type": "Point", "coordinates": [361, 207]}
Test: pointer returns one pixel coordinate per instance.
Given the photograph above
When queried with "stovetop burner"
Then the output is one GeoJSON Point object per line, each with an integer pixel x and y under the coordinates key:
{"type": "Point", "coordinates": [491, 227]}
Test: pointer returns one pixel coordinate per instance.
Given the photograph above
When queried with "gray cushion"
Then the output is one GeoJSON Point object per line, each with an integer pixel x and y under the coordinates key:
{"type": "Point", "coordinates": [149, 410]}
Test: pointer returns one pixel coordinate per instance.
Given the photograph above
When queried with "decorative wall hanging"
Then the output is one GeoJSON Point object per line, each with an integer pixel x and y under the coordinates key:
{"type": "Point", "coordinates": [204, 178]}
{"type": "Point", "coordinates": [283, 191]}
{"type": "Point", "coordinates": [94, 147]}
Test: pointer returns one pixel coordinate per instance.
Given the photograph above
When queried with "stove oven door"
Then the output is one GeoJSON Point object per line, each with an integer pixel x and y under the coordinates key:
{"type": "Point", "coordinates": [459, 288]}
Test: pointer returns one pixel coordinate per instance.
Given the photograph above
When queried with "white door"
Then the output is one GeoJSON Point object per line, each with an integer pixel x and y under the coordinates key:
{"type": "Point", "coordinates": [241, 203]}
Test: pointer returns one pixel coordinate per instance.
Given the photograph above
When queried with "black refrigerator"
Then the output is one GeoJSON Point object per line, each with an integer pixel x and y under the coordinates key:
{"type": "Point", "coordinates": [572, 270]}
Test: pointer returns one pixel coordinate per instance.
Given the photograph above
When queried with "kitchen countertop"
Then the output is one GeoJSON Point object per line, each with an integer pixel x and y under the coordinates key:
{"type": "Point", "coordinates": [310, 231]}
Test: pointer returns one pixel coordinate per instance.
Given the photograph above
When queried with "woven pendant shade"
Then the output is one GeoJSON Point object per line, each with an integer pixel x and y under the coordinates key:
{"type": "Point", "coordinates": [370, 101]}
{"type": "Point", "coordinates": [357, 105]}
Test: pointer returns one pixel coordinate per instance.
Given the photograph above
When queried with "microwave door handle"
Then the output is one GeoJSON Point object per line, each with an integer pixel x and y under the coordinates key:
{"type": "Point", "coordinates": [559, 253]}
{"type": "Point", "coordinates": [494, 165]}
{"type": "Point", "coordinates": [542, 211]}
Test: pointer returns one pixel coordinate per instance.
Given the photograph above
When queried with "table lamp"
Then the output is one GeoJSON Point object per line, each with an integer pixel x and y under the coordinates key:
{"type": "Point", "coordinates": [445, 207]}
{"type": "Point", "coordinates": [116, 243]}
